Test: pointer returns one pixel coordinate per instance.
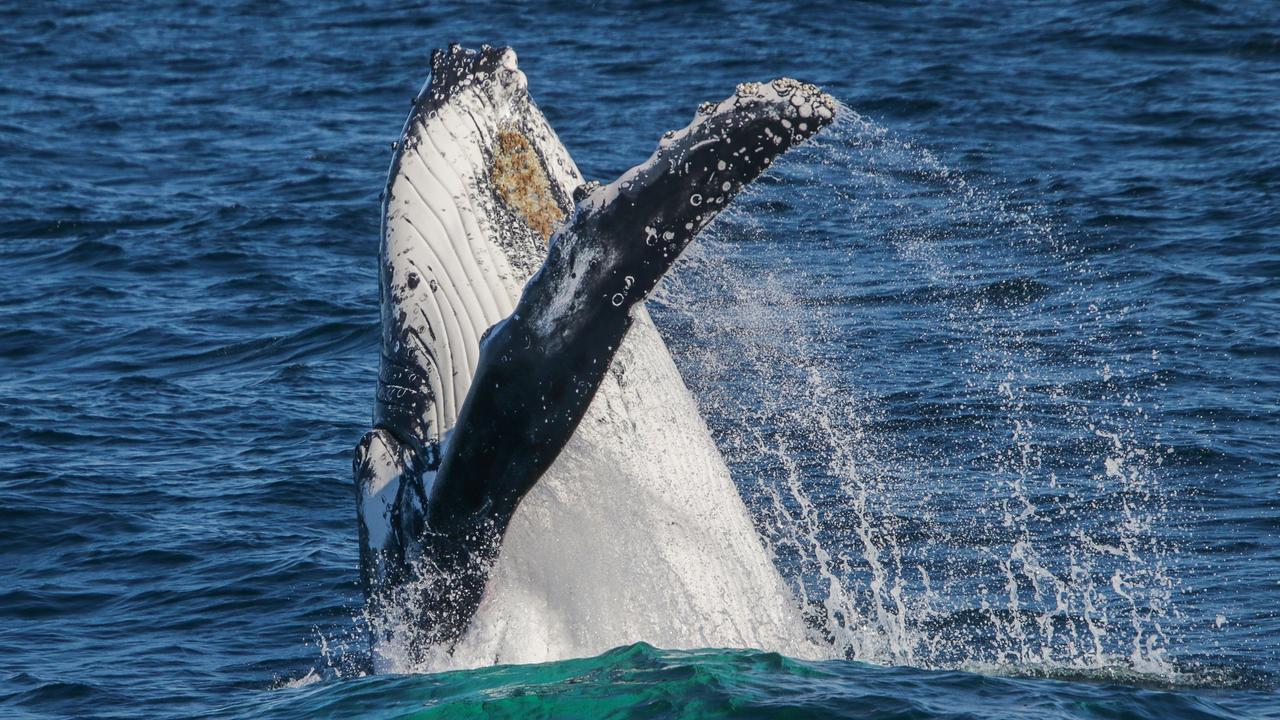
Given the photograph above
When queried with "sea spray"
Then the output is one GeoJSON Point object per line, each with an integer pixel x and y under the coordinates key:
{"type": "Point", "coordinates": [947, 477]}
{"type": "Point", "coordinates": [940, 481]}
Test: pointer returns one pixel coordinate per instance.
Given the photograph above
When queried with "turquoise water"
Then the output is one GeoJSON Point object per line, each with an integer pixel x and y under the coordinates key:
{"type": "Point", "coordinates": [641, 681]}
{"type": "Point", "coordinates": [995, 365]}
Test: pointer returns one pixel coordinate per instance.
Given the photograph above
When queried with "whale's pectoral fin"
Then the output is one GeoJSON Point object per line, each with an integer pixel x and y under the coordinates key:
{"type": "Point", "coordinates": [540, 367]}
{"type": "Point", "coordinates": [390, 508]}
{"type": "Point", "coordinates": [433, 580]}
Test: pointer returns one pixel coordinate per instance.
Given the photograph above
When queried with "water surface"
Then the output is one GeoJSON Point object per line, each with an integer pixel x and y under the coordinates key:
{"type": "Point", "coordinates": [1013, 332]}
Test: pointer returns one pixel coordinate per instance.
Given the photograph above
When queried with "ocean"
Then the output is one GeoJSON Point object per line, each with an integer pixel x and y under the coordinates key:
{"type": "Point", "coordinates": [994, 361]}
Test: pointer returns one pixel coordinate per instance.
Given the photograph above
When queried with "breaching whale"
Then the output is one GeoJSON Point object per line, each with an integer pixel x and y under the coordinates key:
{"type": "Point", "coordinates": [538, 482]}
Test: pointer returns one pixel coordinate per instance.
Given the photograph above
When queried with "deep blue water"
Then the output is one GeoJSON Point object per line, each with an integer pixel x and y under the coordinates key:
{"type": "Point", "coordinates": [1038, 284]}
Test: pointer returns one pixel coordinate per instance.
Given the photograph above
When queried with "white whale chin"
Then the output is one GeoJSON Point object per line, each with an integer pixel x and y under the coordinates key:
{"type": "Point", "coordinates": [636, 532]}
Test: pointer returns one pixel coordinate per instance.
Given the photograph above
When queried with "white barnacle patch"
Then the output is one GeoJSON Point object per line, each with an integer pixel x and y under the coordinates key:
{"type": "Point", "coordinates": [785, 86]}
{"type": "Point", "coordinates": [695, 200]}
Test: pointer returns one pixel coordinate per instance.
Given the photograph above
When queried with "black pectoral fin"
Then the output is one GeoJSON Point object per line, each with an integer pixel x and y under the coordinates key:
{"type": "Point", "coordinates": [649, 215]}
{"type": "Point", "coordinates": [540, 368]}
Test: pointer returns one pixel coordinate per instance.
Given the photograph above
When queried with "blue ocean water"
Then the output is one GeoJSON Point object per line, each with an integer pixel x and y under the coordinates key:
{"type": "Point", "coordinates": [1004, 347]}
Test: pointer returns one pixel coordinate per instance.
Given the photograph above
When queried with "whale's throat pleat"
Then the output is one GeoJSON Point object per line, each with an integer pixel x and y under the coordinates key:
{"type": "Point", "coordinates": [521, 181]}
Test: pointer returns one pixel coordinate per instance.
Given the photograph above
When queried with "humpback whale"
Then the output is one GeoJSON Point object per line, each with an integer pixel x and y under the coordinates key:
{"type": "Point", "coordinates": [538, 482]}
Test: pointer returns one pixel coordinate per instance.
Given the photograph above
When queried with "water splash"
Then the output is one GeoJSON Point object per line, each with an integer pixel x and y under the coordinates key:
{"type": "Point", "coordinates": [936, 414]}
{"type": "Point", "coordinates": [929, 407]}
